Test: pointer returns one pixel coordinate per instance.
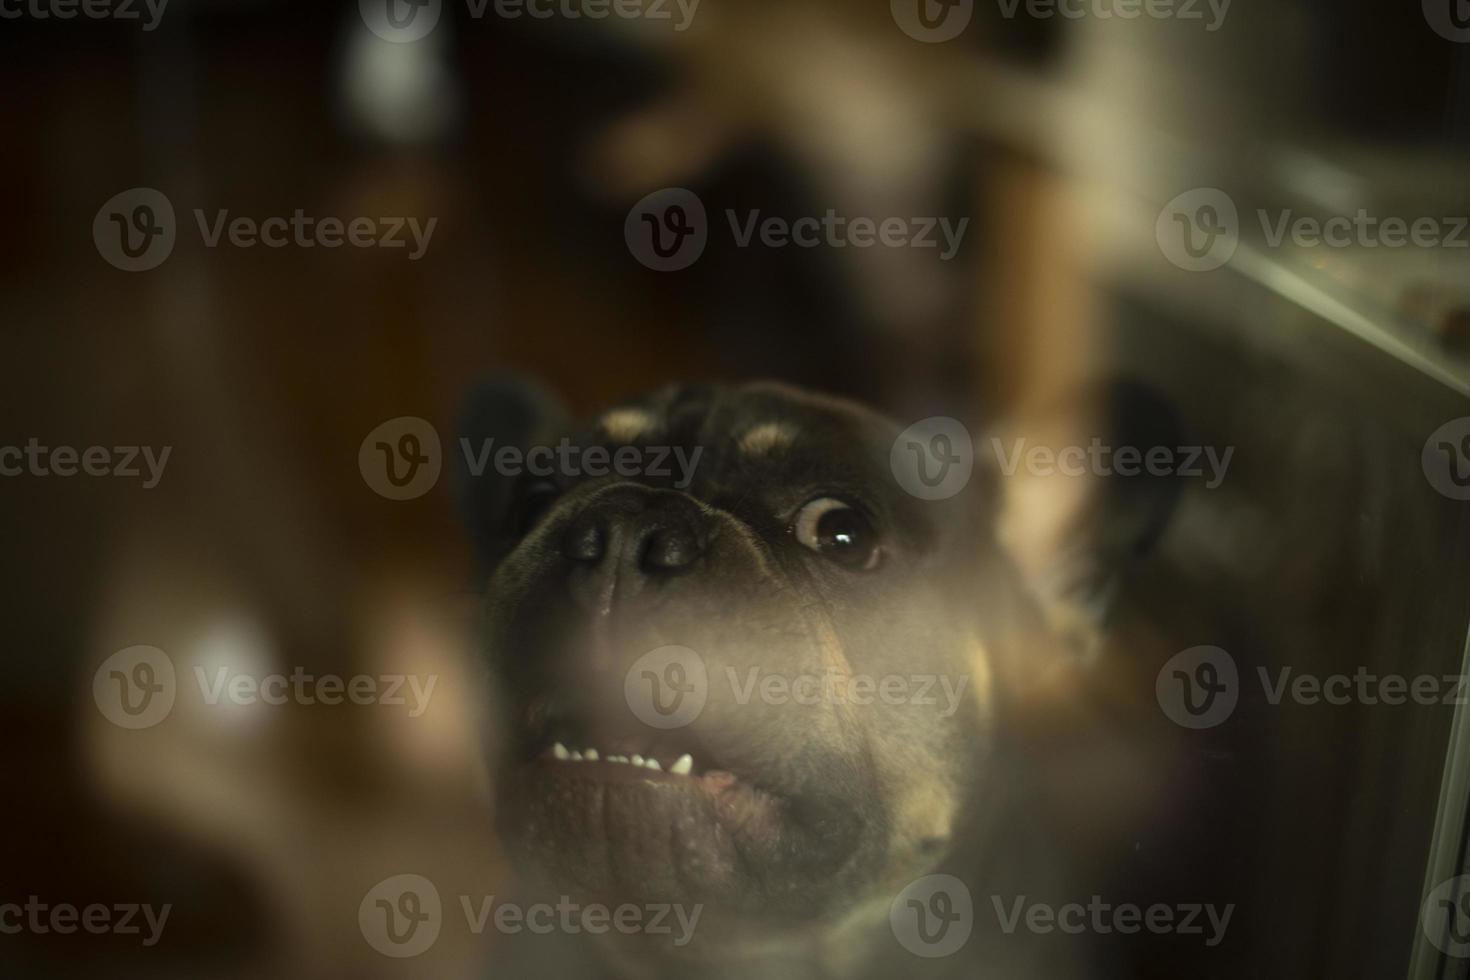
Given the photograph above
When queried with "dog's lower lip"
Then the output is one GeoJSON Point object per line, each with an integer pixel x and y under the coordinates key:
{"type": "Point", "coordinates": [711, 780]}
{"type": "Point", "coordinates": [736, 803]}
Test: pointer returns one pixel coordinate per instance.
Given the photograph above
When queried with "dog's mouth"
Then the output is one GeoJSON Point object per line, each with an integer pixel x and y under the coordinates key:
{"type": "Point", "coordinates": [595, 776]}
{"type": "Point", "coordinates": [658, 765]}
{"type": "Point", "coordinates": [765, 811]}
{"type": "Point", "coordinates": [661, 816]}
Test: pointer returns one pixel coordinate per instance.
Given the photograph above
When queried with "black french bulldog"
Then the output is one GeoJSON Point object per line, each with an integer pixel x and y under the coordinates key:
{"type": "Point", "coordinates": [742, 673]}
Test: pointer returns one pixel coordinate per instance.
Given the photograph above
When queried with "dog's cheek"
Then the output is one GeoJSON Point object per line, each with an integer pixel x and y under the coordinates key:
{"type": "Point", "coordinates": [928, 748]}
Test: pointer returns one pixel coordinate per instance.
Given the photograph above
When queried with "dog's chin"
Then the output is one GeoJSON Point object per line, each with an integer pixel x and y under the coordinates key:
{"type": "Point", "coordinates": [615, 833]}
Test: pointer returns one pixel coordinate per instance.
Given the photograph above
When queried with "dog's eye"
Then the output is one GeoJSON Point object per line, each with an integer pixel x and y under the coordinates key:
{"type": "Point", "coordinates": [839, 531]}
{"type": "Point", "coordinates": [535, 502]}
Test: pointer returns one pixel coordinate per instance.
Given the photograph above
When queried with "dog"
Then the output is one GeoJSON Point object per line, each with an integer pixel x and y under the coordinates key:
{"type": "Point", "coordinates": [761, 689]}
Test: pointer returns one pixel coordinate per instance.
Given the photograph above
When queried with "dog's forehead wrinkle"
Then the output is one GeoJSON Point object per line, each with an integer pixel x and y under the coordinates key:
{"type": "Point", "coordinates": [768, 437]}
{"type": "Point", "coordinates": [628, 423]}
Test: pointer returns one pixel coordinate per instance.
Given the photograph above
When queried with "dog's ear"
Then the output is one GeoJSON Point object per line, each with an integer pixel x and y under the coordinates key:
{"type": "Point", "coordinates": [499, 413]}
{"type": "Point", "coordinates": [1077, 535]}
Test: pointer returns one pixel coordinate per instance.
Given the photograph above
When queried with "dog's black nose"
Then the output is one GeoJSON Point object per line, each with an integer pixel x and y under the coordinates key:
{"type": "Point", "coordinates": [669, 549]}
{"type": "Point", "coordinates": [626, 536]}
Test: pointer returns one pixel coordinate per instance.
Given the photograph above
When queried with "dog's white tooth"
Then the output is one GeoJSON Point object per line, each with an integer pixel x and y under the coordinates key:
{"type": "Point", "coordinates": [637, 760]}
{"type": "Point", "coordinates": [651, 764]}
{"type": "Point", "coordinates": [576, 756]}
{"type": "Point", "coordinates": [590, 755]}
{"type": "Point", "coordinates": [683, 765]}
{"type": "Point", "coordinates": [560, 751]}
{"type": "Point", "coordinates": [617, 758]}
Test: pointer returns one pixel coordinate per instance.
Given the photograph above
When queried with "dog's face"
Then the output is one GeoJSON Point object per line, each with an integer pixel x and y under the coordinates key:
{"type": "Point", "coordinates": [768, 625]}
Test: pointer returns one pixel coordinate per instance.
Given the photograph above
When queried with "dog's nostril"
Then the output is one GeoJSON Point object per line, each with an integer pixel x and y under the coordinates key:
{"type": "Point", "coordinates": [584, 541]}
{"type": "Point", "coordinates": [670, 549]}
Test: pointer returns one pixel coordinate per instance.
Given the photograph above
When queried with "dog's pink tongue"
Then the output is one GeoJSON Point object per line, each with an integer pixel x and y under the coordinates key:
{"type": "Point", "coordinates": [740, 807]}
{"type": "Point", "coordinates": [717, 780]}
